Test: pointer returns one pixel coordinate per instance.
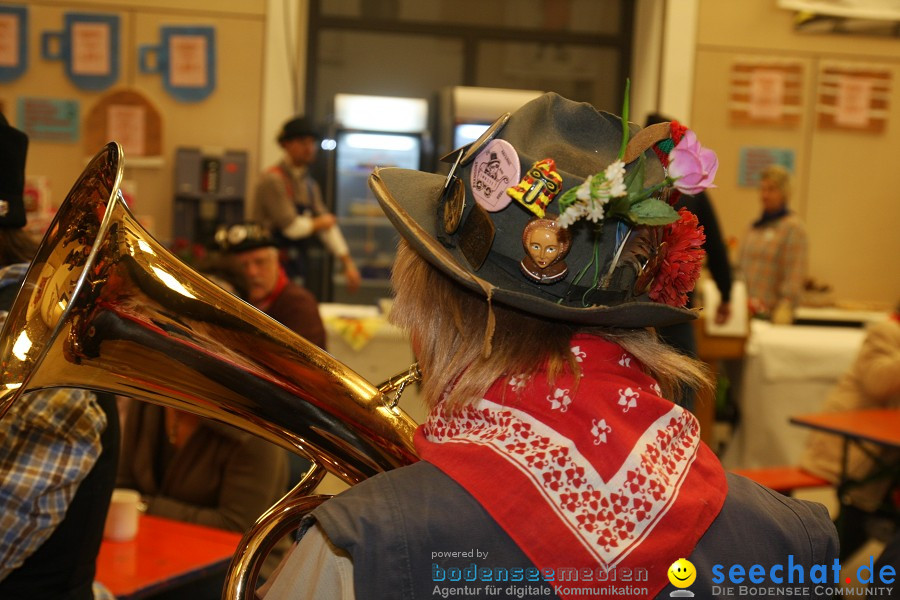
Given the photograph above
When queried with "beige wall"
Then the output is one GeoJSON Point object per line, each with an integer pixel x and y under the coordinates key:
{"type": "Point", "coordinates": [845, 184]}
{"type": "Point", "coordinates": [228, 119]}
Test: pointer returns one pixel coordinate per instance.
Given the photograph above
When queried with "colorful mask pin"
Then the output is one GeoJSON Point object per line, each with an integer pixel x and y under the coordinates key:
{"type": "Point", "coordinates": [538, 187]}
{"type": "Point", "coordinates": [546, 246]}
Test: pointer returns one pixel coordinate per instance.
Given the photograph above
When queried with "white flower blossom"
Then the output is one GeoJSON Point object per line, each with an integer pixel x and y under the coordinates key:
{"type": "Point", "coordinates": [570, 215]}
{"type": "Point", "coordinates": [615, 171]}
{"type": "Point", "coordinates": [584, 190]}
{"type": "Point", "coordinates": [595, 212]}
{"type": "Point", "coordinates": [580, 354]}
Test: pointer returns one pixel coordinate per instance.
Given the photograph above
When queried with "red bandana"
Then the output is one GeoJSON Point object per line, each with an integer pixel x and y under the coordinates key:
{"type": "Point", "coordinates": [272, 296]}
{"type": "Point", "coordinates": [617, 472]}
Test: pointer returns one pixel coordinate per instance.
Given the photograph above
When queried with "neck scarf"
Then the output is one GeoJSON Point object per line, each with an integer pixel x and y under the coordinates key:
{"type": "Point", "coordinates": [771, 217]}
{"type": "Point", "coordinates": [265, 303]}
{"type": "Point", "coordinates": [606, 476]}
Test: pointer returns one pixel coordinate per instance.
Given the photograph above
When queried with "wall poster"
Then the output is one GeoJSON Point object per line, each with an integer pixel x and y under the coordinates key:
{"type": "Point", "coordinates": [853, 97]}
{"type": "Point", "coordinates": [89, 47]}
{"type": "Point", "coordinates": [13, 42]}
{"type": "Point", "coordinates": [186, 60]}
{"type": "Point", "coordinates": [766, 93]}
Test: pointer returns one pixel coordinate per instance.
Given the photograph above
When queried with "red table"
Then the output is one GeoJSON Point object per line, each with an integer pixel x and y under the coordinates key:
{"type": "Point", "coordinates": [878, 426]}
{"type": "Point", "coordinates": [881, 426]}
{"type": "Point", "coordinates": [164, 554]}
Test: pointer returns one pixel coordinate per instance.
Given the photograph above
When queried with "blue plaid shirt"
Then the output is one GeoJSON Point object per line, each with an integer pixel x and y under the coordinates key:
{"type": "Point", "coordinates": [49, 442]}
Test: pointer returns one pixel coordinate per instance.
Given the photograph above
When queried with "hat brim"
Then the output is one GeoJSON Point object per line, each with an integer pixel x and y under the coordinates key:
{"type": "Point", "coordinates": [410, 200]}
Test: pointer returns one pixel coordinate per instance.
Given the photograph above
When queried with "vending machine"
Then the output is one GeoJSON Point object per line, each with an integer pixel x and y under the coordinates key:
{"type": "Point", "coordinates": [369, 132]}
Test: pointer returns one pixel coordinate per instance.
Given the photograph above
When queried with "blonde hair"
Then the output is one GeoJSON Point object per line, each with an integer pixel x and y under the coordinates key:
{"type": "Point", "coordinates": [779, 176]}
{"type": "Point", "coordinates": [448, 324]}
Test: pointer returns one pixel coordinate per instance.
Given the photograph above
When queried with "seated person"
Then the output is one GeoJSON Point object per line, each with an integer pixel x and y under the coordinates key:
{"type": "Point", "coordinates": [552, 441]}
{"type": "Point", "coordinates": [197, 470]}
{"type": "Point", "coordinates": [873, 381]}
{"type": "Point", "coordinates": [252, 255]}
{"type": "Point", "coordinates": [59, 447]}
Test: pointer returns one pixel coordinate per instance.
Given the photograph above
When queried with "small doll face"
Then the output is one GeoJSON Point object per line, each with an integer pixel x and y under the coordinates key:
{"type": "Point", "coordinates": [545, 243]}
{"type": "Point", "coordinates": [543, 246]}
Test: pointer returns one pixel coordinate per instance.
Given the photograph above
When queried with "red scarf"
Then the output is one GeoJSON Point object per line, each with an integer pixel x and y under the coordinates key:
{"type": "Point", "coordinates": [608, 475]}
{"type": "Point", "coordinates": [265, 303]}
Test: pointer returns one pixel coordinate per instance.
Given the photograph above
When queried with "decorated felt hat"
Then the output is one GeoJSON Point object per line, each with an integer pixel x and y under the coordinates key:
{"type": "Point", "coordinates": [298, 127]}
{"type": "Point", "coordinates": [243, 237]}
{"type": "Point", "coordinates": [562, 211]}
{"type": "Point", "coordinates": [13, 150]}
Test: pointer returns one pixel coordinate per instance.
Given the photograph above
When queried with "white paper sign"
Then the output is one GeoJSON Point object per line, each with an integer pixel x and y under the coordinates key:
{"type": "Point", "coordinates": [90, 49]}
{"type": "Point", "coordinates": [187, 59]}
{"type": "Point", "coordinates": [853, 105]}
{"type": "Point", "coordinates": [766, 94]}
{"type": "Point", "coordinates": [125, 124]}
{"type": "Point", "coordinates": [9, 41]}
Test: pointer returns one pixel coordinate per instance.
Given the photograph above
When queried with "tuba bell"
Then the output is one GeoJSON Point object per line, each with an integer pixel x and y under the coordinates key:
{"type": "Point", "coordinates": [105, 307]}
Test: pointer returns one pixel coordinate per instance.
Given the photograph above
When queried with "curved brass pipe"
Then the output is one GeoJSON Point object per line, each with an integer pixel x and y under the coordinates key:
{"type": "Point", "coordinates": [105, 307]}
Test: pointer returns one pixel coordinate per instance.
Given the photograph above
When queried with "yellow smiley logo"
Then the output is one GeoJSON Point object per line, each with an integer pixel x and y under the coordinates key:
{"type": "Point", "coordinates": [682, 573]}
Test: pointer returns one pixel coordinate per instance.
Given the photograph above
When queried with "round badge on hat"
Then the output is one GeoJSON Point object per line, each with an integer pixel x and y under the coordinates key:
{"type": "Point", "coordinates": [495, 169]}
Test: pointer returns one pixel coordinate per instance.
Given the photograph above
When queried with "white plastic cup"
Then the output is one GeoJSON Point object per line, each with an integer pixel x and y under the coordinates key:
{"type": "Point", "coordinates": [122, 518]}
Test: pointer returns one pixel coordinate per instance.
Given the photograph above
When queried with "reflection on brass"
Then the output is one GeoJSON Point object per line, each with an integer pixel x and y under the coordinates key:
{"type": "Point", "coordinates": [106, 307]}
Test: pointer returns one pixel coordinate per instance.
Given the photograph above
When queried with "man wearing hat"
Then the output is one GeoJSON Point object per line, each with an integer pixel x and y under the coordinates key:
{"type": "Point", "coordinates": [60, 447]}
{"type": "Point", "coordinates": [289, 201]}
{"type": "Point", "coordinates": [554, 463]}
{"type": "Point", "coordinates": [253, 255]}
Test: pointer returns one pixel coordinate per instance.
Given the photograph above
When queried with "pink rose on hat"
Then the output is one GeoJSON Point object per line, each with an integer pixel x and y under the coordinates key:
{"type": "Point", "coordinates": [692, 166]}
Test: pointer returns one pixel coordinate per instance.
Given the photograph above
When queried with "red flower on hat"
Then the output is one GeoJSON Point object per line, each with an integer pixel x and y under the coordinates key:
{"type": "Point", "coordinates": [680, 269]}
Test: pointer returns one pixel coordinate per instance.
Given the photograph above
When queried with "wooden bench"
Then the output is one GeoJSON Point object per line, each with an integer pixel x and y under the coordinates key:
{"type": "Point", "coordinates": [784, 479]}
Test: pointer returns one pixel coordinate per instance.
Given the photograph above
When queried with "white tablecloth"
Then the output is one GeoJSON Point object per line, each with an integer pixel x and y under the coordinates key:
{"type": "Point", "coordinates": [788, 370]}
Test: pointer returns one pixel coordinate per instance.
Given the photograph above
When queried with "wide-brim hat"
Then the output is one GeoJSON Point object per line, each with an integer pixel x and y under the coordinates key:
{"type": "Point", "coordinates": [298, 127]}
{"type": "Point", "coordinates": [13, 151]}
{"type": "Point", "coordinates": [474, 233]}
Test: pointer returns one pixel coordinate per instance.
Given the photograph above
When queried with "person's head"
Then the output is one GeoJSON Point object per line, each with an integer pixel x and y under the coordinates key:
{"type": "Point", "coordinates": [300, 141]}
{"type": "Point", "coordinates": [16, 245]}
{"type": "Point", "coordinates": [253, 256]}
{"type": "Point", "coordinates": [774, 188]}
{"type": "Point", "coordinates": [631, 261]}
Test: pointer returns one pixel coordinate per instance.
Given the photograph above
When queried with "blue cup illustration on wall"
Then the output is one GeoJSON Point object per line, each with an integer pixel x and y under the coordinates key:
{"type": "Point", "coordinates": [186, 60]}
{"type": "Point", "coordinates": [13, 42]}
{"type": "Point", "coordinates": [89, 46]}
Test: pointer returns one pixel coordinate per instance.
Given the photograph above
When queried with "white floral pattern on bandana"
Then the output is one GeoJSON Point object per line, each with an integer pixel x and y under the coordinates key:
{"type": "Point", "coordinates": [609, 521]}
{"type": "Point", "coordinates": [628, 399]}
{"type": "Point", "coordinates": [518, 382]}
{"type": "Point", "coordinates": [560, 400]}
{"type": "Point", "coordinates": [599, 431]}
{"type": "Point", "coordinates": [579, 354]}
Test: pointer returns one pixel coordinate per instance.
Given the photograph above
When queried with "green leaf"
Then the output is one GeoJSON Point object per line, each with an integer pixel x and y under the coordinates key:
{"type": "Point", "coordinates": [634, 180]}
{"type": "Point", "coordinates": [618, 208]}
{"type": "Point", "coordinates": [652, 212]}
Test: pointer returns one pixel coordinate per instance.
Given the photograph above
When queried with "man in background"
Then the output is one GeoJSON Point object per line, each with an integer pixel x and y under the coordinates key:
{"type": "Point", "coordinates": [289, 202]}
{"type": "Point", "coordinates": [264, 283]}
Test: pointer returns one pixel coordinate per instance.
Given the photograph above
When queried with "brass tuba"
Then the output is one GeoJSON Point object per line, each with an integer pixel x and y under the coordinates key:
{"type": "Point", "coordinates": [105, 307]}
